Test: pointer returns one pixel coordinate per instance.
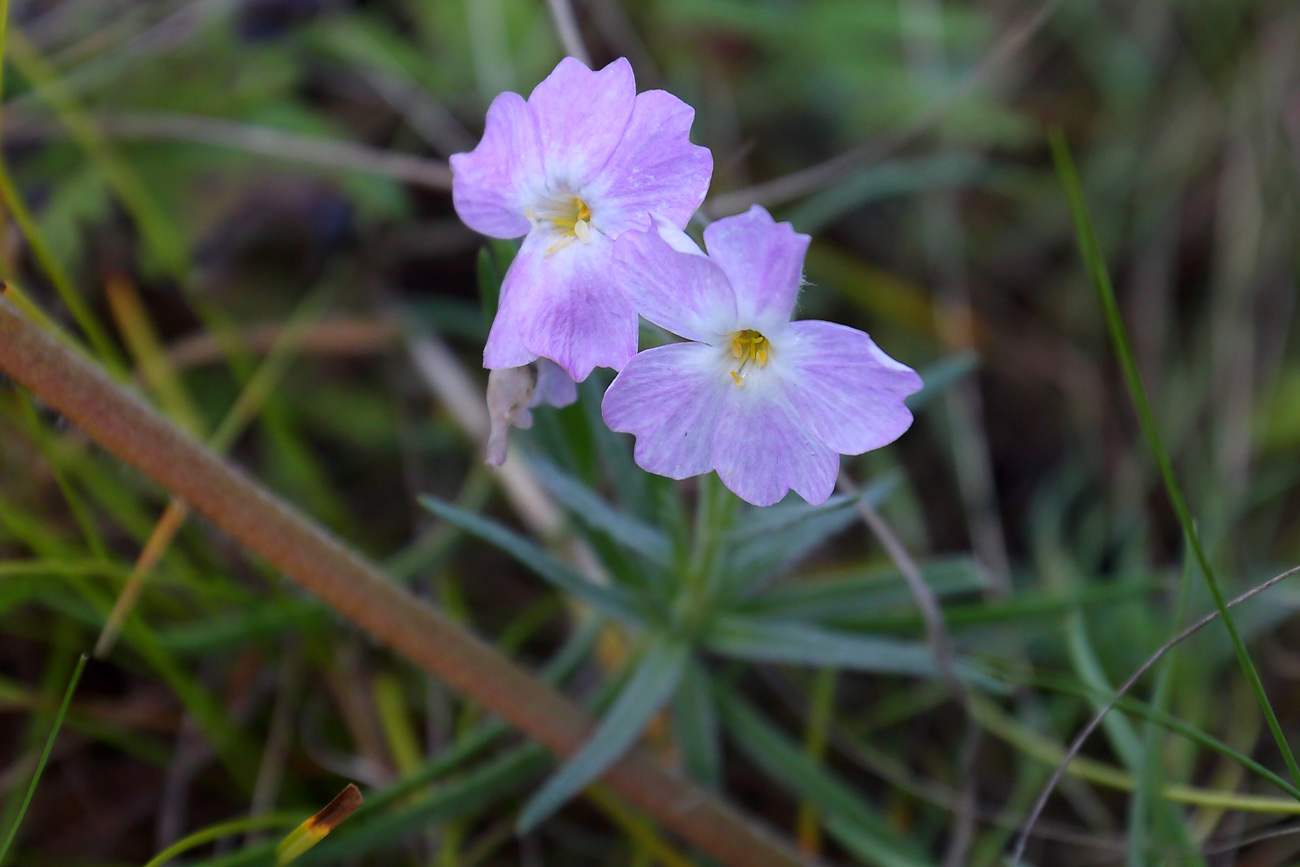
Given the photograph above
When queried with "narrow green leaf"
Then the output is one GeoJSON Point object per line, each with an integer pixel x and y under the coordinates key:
{"type": "Point", "coordinates": [653, 681]}
{"type": "Point", "coordinates": [879, 591]}
{"type": "Point", "coordinates": [45, 755]}
{"type": "Point", "coordinates": [767, 542]}
{"type": "Point", "coordinates": [695, 726]}
{"type": "Point", "coordinates": [608, 600]}
{"type": "Point", "coordinates": [1096, 263]}
{"type": "Point", "coordinates": [242, 825]}
{"type": "Point", "coordinates": [641, 538]}
{"type": "Point", "coordinates": [789, 641]}
{"type": "Point", "coordinates": [854, 823]}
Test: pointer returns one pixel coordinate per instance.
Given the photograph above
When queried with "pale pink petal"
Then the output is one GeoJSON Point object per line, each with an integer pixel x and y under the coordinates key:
{"type": "Point", "coordinates": [683, 292]}
{"type": "Point", "coordinates": [562, 302]}
{"type": "Point", "coordinates": [763, 260]}
{"type": "Point", "coordinates": [668, 398]}
{"type": "Point", "coordinates": [762, 449]}
{"type": "Point", "coordinates": [581, 116]}
{"type": "Point", "coordinates": [554, 385]}
{"type": "Point", "coordinates": [845, 389]}
{"type": "Point", "coordinates": [493, 185]}
{"type": "Point", "coordinates": [655, 168]}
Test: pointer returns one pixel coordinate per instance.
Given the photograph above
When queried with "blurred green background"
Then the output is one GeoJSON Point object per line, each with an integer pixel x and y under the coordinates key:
{"type": "Point", "coordinates": [200, 190]}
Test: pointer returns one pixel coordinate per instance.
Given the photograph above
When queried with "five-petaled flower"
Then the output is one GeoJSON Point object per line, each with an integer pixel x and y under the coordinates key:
{"type": "Point", "coordinates": [769, 403]}
{"type": "Point", "coordinates": [582, 160]}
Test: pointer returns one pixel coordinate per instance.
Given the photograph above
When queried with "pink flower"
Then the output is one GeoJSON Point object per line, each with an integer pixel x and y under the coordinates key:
{"type": "Point", "coordinates": [583, 160]}
{"type": "Point", "coordinates": [769, 403]}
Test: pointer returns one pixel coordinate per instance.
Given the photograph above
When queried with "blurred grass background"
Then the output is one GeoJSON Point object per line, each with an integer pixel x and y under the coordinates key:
{"type": "Point", "coordinates": [216, 182]}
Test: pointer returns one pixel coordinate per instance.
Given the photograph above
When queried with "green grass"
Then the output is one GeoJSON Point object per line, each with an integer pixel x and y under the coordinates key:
{"type": "Point", "coordinates": [1106, 330]}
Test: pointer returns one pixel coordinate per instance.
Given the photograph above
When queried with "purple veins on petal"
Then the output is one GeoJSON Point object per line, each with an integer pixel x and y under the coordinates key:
{"type": "Point", "coordinates": [582, 160]}
{"type": "Point", "coordinates": [558, 304]}
{"type": "Point", "coordinates": [769, 404]}
{"type": "Point", "coordinates": [669, 397]}
{"type": "Point", "coordinates": [763, 261]}
{"type": "Point", "coordinates": [673, 284]}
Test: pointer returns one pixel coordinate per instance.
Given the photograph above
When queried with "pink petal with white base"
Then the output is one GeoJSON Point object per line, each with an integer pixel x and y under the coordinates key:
{"type": "Point", "coordinates": [562, 303]}
{"type": "Point", "coordinates": [762, 450]}
{"type": "Point", "coordinates": [669, 398]}
{"type": "Point", "coordinates": [494, 184]}
{"type": "Point", "coordinates": [848, 392]}
{"type": "Point", "coordinates": [655, 169]}
{"type": "Point", "coordinates": [581, 116]}
{"type": "Point", "coordinates": [763, 260]}
{"type": "Point", "coordinates": [685, 294]}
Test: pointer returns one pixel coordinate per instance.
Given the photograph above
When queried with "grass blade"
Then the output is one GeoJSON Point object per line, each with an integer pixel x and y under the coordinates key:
{"type": "Point", "coordinates": [1091, 252]}
{"type": "Point", "coordinates": [855, 823]}
{"type": "Point", "coordinates": [652, 683]}
{"type": "Point", "coordinates": [789, 641]}
{"type": "Point", "coordinates": [242, 825]}
{"type": "Point", "coordinates": [318, 826]}
{"type": "Point", "coordinates": [45, 756]}
{"type": "Point", "coordinates": [607, 600]}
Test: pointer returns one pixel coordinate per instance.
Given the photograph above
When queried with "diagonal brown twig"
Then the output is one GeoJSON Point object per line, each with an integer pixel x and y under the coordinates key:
{"type": "Point", "coordinates": [356, 589]}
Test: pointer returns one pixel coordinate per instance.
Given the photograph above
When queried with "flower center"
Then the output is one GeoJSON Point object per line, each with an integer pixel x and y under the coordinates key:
{"type": "Point", "coordinates": [565, 215]}
{"type": "Point", "coordinates": [748, 346]}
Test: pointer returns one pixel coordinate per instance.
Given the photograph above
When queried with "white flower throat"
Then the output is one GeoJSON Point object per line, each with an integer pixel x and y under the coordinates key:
{"type": "Point", "coordinates": [565, 215]}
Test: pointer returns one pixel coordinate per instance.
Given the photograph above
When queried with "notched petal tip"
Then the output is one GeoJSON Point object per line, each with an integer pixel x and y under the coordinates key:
{"type": "Point", "coordinates": [492, 184]}
{"type": "Point", "coordinates": [763, 260]}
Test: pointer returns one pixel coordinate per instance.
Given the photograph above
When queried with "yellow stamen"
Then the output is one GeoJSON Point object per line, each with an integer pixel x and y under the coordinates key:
{"type": "Point", "coordinates": [568, 216]}
{"type": "Point", "coordinates": [749, 345]}
{"type": "Point", "coordinates": [746, 346]}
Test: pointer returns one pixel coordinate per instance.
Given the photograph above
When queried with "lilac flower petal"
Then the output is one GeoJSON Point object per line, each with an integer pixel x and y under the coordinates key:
{"type": "Point", "coordinates": [562, 303]}
{"type": "Point", "coordinates": [847, 391]}
{"type": "Point", "coordinates": [493, 184]}
{"type": "Point", "coordinates": [655, 169]}
{"type": "Point", "coordinates": [686, 294]}
{"type": "Point", "coordinates": [581, 116]}
{"type": "Point", "coordinates": [762, 450]}
{"type": "Point", "coordinates": [763, 260]}
{"type": "Point", "coordinates": [554, 385]}
{"type": "Point", "coordinates": [668, 398]}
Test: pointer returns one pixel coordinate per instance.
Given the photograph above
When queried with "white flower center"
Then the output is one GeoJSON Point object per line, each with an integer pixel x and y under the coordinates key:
{"type": "Point", "coordinates": [565, 215]}
{"type": "Point", "coordinates": [747, 347]}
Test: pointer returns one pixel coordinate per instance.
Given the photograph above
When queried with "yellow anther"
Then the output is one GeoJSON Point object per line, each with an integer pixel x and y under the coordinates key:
{"type": "Point", "coordinates": [735, 377]}
{"type": "Point", "coordinates": [567, 215]}
{"type": "Point", "coordinates": [749, 345]}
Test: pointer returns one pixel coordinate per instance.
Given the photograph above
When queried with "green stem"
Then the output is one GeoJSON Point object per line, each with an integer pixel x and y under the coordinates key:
{"type": "Point", "coordinates": [45, 756]}
{"type": "Point", "coordinates": [1091, 252]}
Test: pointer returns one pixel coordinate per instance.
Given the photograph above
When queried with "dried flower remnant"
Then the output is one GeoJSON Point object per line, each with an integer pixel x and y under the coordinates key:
{"type": "Point", "coordinates": [582, 160]}
{"type": "Point", "coordinates": [512, 392]}
{"type": "Point", "coordinates": [768, 403]}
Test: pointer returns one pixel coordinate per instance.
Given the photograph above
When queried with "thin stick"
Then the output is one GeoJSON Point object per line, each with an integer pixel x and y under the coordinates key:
{"type": "Point", "coordinates": [291, 147]}
{"type": "Point", "coordinates": [945, 657]}
{"type": "Point", "coordinates": [935, 627]}
{"type": "Point", "coordinates": [359, 591]}
{"type": "Point", "coordinates": [1022, 839]}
